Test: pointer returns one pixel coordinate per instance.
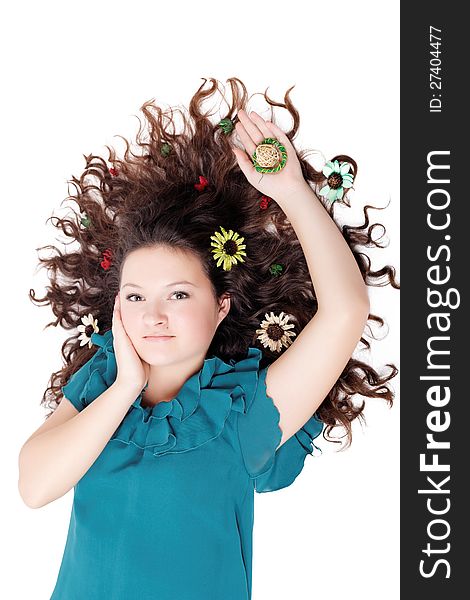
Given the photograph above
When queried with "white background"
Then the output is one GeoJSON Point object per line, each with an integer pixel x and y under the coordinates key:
{"type": "Point", "coordinates": [75, 75]}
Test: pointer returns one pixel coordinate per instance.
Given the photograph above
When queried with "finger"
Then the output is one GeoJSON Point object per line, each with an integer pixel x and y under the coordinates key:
{"type": "Point", "coordinates": [280, 136]}
{"type": "Point", "coordinates": [117, 313]}
{"type": "Point", "coordinates": [261, 123]}
{"type": "Point", "coordinates": [119, 322]}
{"type": "Point", "coordinates": [250, 126]}
{"type": "Point", "coordinates": [245, 138]}
{"type": "Point", "coordinates": [245, 163]}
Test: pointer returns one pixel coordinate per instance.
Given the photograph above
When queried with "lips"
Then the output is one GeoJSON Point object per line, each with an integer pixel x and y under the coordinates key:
{"type": "Point", "coordinates": [160, 339]}
{"type": "Point", "coordinates": [158, 335]}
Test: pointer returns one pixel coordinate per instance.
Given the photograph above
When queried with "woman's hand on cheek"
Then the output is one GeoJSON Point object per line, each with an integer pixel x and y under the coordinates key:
{"type": "Point", "coordinates": [252, 130]}
{"type": "Point", "coordinates": [132, 371]}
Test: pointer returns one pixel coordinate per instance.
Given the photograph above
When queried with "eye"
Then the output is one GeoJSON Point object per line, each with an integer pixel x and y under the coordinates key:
{"type": "Point", "coordinates": [139, 296]}
{"type": "Point", "coordinates": [184, 294]}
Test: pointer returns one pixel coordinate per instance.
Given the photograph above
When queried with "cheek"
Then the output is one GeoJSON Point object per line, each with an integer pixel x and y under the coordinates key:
{"type": "Point", "coordinates": [130, 319]}
{"type": "Point", "coordinates": [195, 320]}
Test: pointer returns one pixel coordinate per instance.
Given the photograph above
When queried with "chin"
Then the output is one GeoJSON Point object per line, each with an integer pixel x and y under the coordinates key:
{"type": "Point", "coordinates": [158, 354]}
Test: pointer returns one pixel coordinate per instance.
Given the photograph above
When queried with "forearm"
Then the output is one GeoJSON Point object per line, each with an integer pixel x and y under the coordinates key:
{"type": "Point", "coordinates": [335, 275]}
{"type": "Point", "coordinates": [51, 463]}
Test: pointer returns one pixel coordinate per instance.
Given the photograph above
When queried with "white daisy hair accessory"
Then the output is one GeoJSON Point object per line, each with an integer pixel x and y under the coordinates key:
{"type": "Point", "coordinates": [274, 332]}
{"type": "Point", "coordinates": [90, 326]}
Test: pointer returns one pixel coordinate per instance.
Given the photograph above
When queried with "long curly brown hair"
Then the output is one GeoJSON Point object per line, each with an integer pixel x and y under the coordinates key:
{"type": "Point", "coordinates": [149, 198]}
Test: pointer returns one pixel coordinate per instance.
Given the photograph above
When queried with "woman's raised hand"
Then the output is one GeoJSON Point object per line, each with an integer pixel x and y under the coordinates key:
{"type": "Point", "coordinates": [132, 371]}
{"type": "Point", "coordinates": [252, 129]}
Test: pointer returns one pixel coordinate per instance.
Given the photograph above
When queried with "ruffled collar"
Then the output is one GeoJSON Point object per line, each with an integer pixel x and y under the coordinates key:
{"type": "Point", "coordinates": [195, 416]}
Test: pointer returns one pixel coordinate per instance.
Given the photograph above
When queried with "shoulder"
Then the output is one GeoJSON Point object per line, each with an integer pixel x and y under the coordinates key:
{"type": "Point", "coordinates": [271, 456]}
{"type": "Point", "coordinates": [95, 376]}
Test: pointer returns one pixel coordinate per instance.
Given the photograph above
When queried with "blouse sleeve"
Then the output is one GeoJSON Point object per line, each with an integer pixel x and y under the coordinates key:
{"type": "Point", "coordinates": [260, 434]}
{"type": "Point", "coordinates": [95, 376]}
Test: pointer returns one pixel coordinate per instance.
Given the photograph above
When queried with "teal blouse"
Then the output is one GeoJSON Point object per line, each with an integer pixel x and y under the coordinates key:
{"type": "Point", "coordinates": [166, 510]}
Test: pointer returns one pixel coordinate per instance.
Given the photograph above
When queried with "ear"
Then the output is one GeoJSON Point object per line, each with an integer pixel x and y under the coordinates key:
{"type": "Point", "coordinates": [224, 307]}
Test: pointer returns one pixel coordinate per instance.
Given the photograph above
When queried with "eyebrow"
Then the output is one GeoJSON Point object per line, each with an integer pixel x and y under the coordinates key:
{"type": "Point", "coordinates": [169, 285]}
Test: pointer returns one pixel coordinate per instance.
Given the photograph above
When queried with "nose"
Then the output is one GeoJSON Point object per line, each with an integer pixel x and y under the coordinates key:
{"type": "Point", "coordinates": [155, 315]}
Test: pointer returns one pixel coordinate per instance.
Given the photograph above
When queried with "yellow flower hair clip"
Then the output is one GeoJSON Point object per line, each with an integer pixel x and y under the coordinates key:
{"type": "Point", "coordinates": [228, 248]}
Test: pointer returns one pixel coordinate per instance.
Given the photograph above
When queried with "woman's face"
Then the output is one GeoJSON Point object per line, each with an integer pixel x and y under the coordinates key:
{"type": "Point", "coordinates": [156, 304]}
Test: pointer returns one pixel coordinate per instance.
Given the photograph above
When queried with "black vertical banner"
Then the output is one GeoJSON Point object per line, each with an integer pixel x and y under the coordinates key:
{"type": "Point", "coordinates": [435, 349]}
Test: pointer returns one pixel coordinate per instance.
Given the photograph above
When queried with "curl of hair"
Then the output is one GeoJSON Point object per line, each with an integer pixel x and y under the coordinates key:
{"type": "Point", "coordinates": [149, 199]}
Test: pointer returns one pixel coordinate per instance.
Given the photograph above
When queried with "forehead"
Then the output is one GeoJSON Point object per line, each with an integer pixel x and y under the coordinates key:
{"type": "Point", "coordinates": [162, 263]}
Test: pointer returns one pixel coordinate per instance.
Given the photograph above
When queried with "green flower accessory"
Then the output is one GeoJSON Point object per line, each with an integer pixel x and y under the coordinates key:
{"type": "Point", "coordinates": [228, 248]}
{"type": "Point", "coordinates": [85, 221]}
{"type": "Point", "coordinates": [339, 178]}
{"type": "Point", "coordinates": [226, 125]}
{"type": "Point", "coordinates": [275, 269]}
{"type": "Point", "coordinates": [165, 149]}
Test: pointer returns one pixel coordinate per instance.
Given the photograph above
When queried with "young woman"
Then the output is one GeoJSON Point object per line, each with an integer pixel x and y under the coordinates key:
{"type": "Point", "coordinates": [216, 305]}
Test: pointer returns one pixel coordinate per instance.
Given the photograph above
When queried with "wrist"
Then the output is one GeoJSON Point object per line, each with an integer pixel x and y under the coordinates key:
{"type": "Point", "coordinates": [299, 190]}
{"type": "Point", "coordinates": [128, 389]}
